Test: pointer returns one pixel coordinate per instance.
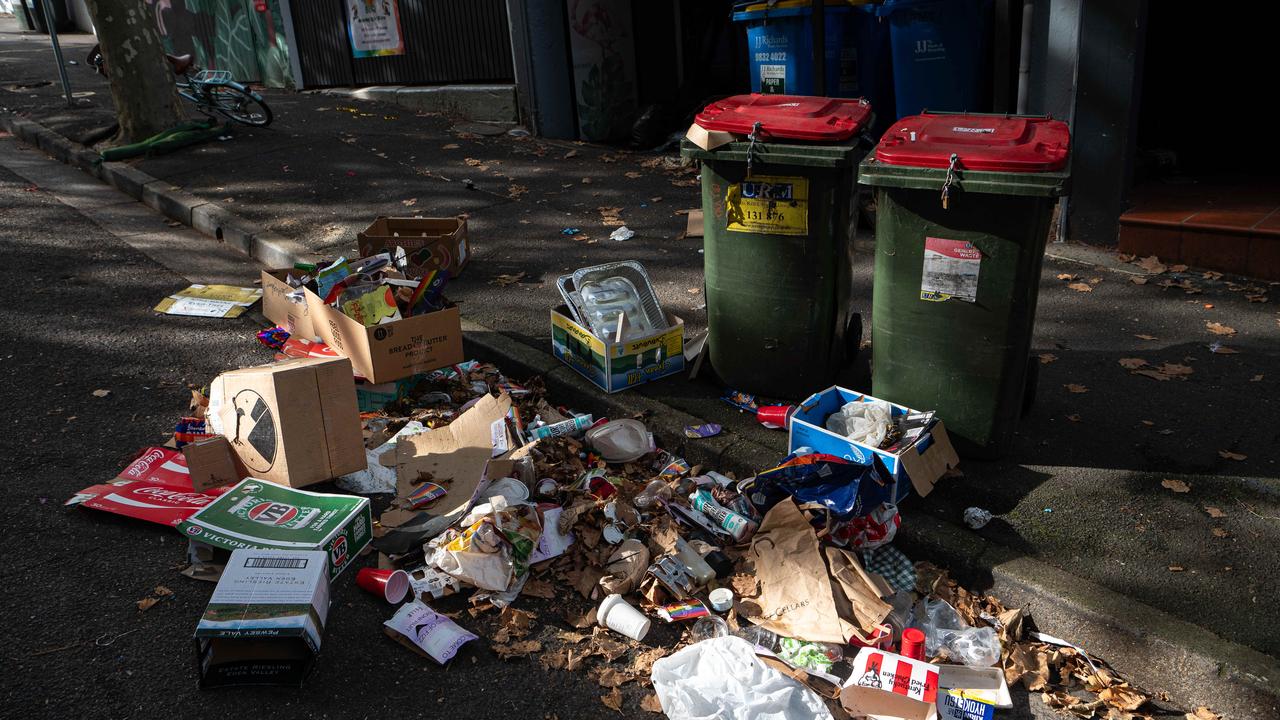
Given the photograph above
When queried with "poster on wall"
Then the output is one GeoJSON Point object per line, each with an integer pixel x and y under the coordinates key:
{"type": "Point", "coordinates": [375, 27]}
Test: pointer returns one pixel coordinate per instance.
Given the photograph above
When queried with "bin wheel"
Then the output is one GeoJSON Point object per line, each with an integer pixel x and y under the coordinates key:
{"type": "Point", "coordinates": [1029, 387]}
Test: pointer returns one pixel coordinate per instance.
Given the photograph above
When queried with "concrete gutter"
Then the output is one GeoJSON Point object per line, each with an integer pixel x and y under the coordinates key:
{"type": "Point", "coordinates": [1149, 647]}
{"type": "Point", "coordinates": [479, 103]}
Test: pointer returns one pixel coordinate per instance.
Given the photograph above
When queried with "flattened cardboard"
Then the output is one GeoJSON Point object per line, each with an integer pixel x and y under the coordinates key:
{"type": "Point", "coordinates": [708, 139]}
{"type": "Point", "coordinates": [264, 623]}
{"type": "Point", "coordinates": [155, 487]}
{"type": "Point", "coordinates": [455, 455]}
{"type": "Point", "coordinates": [294, 422]}
{"type": "Point", "coordinates": [212, 463]}
{"type": "Point", "coordinates": [922, 464]}
{"type": "Point", "coordinates": [281, 309]}
{"type": "Point", "coordinates": [395, 350]}
{"type": "Point", "coordinates": [694, 227]}
{"type": "Point", "coordinates": [429, 243]}
{"type": "Point", "coordinates": [617, 366]}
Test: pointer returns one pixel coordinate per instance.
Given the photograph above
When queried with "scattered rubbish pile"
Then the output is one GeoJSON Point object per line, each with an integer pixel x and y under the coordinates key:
{"type": "Point", "coordinates": [779, 594]}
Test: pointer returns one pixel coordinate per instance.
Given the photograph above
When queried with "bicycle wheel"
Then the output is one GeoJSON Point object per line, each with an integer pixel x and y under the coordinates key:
{"type": "Point", "coordinates": [241, 105]}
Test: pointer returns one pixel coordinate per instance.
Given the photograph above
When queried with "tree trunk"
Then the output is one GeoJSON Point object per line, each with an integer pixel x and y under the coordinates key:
{"type": "Point", "coordinates": [141, 79]}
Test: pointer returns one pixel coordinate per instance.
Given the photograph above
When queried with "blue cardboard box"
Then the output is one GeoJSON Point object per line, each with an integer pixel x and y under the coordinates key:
{"type": "Point", "coordinates": [617, 366]}
{"type": "Point", "coordinates": [918, 465]}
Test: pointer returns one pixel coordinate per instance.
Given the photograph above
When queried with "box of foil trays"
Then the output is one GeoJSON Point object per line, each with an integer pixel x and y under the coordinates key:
{"type": "Point", "coordinates": [917, 459]}
{"type": "Point", "coordinates": [612, 329]}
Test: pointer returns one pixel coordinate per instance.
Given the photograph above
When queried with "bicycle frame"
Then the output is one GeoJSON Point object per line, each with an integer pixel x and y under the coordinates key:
{"type": "Point", "coordinates": [198, 89]}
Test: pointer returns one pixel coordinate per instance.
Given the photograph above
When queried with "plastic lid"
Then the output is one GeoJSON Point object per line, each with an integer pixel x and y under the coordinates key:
{"type": "Point", "coordinates": [792, 117]}
{"type": "Point", "coordinates": [980, 142]}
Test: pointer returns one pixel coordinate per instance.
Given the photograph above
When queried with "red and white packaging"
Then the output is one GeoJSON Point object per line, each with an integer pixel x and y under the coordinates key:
{"type": "Point", "coordinates": [887, 686]}
{"type": "Point", "coordinates": [155, 487]}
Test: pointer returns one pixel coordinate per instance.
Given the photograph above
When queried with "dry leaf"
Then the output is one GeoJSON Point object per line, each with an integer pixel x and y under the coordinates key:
{"type": "Point", "coordinates": [633, 174]}
{"type": "Point", "coordinates": [650, 704]}
{"type": "Point", "coordinates": [1177, 268]}
{"type": "Point", "coordinates": [1175, 485]}
{"type": "Point", "coordinates": [1228, 455]}
{"type": "Point", "coordinates": [505, 280]}
{"type": "Point", "coordinates": [1152, 265]}
{"type": "Point", "coordinates": [145, 603]}
{"type": "Point", "coordinates": [1203, 713]}
{"type": "Point", "coordinates": [410, 202]}
{"type": "Point", "coordinates": [1123, 696]}
{"type": "Point", "coordinates": [1066, 276]}
{"type": "Point", "coordinates": [612, 678]}
{"type": "Point", "coordinates": [1046, 358]}
{"type": "Point", "coordinates": [1146, 337]}
{"type": "Point", "coordinates": [1220, 533]}
{"type": "Point", "coordinates": [570, 154]}
{"type": "Point", "coordinates": [101, 393]}
{"type": "Point", "coordinates": [613, 700]}
{"type": "Point", "coordinates": [1256, 378]}
{"type": "Point", "coordinates": [523, 648]}
{"type": "Point", "coordinates": [538, 588]}
{"type": "Point", "coordinates": [1214, 512]}
{"type": "Point", "coordinates": [1073, 418]}
{"type": "Point", "coordinates": [1072, 387]}
{"type": "Point", "coordinates": [1153, 374]}
{"type": "Point", "coordinates": [1220, 349]}
{"type": "Point", "coordinates": [1256, 298]}
{"type": "Point", "coordinates": [161, 591]}
{"type": "Point", "coordinates": [515, 191]}
{"type": "Point", "coordinates": [1220, 329]}
{"type": "Point", "coordinates": [1137, 280]}
{"type": "Point", "coordinates": [1081, 287]}
{"type": "Point", "coordinates": [744, 585]}
{"type": "Point", "coordinates": [1132, 363]}
{"type": "Point", "coordinates": [450, 146]}
{"type": "Point", "coordinates": [1176, 568]}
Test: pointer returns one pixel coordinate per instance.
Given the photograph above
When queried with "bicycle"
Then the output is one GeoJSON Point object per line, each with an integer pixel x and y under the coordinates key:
{"type": "Point", "coordinates": [211, 91]}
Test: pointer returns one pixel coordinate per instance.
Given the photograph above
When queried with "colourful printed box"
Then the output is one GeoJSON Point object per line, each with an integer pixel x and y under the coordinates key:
{"type": "Point", "coordinates": [617, 366]}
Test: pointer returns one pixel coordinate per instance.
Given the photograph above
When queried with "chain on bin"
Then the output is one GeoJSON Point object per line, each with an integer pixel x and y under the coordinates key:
{"type": "Point", "coordinates": [951, 179]}
{"type": "Point", "coordinates": [751, 148]}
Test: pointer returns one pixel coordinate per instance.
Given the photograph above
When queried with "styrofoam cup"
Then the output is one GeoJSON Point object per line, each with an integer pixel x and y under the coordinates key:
{"type": "Point", "coordinates": [721, 599]}
{"type": "Point", "coordinates": [618, 615]}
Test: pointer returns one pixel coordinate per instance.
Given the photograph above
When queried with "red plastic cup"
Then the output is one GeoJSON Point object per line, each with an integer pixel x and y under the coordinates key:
{"type": "Point", "coordinates": [776, 415]}
{"type": "Point", "coordinates": [390, 585]}
{"type": "Point", "coordinates": [912, 644]}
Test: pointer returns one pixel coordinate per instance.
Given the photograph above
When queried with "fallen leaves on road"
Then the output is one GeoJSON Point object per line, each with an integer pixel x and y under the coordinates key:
{"type": "Point", "coordinates": [1074, 388]}
{"type": "Point", "coordinates": [650, 704]}
{"type": "Point", "coordinates": [1167, 371]}
{"type": "Point", "coordinates": [1132, 363]}
{"type": "Point", "coordinates": [1146, 337]}
{"type": "Point", "coordinates": [1152, 264]}
{"type": "Point", "coordinates": [1177, 268]}
{"type": "Point", "coordinates": [633, 174]}
{"type": "Point", "coordinates": [1081, 287]}
{"type": "Point", "coordinates": [1220, 533]}
{"type": "Point", "coordinates": [1184, 285]}
{"type": "Point", "coordinates": [145, 603]}
{"type": "Point", "coordinates": [157, 594]}
{"type": "Point", "coordinates": [515, 191]}
{"type": "Point", "coordinates": [1176, 568]}
{"type": "Point", "coordinates": [1228, 455]}
{"type": "Point", "coordinates": [1046, 358]}
{"type": "Point", "coordinates": [450, 146]}
{"type": "Point", "coordinates": [1256, 378]}
{"type": "Point", "coordinates": [1214, 512]}
{"type": "Point", "coordinates": [1175, 485]}
{"type": "Point", "coordinates": [1259, 298]}
{"type": "Point", "coordinates": [410, 202]}
{"type": "Point", "coordinates": [1067, 276]}
{"type": "Point", "coordinates": [1203, 713]}
{"type": "Point", "coordinates": [101, 393]}
{"type": "Point", "coordinates": [523, 648]}
{"type": "Point", "coordinates": [1137, 280]}
{"type": "Point", "coordinates": [1218, 328]}
{"type": "Point", "coordinates": [610, 216]}
{"type": "Point", "coordinates": [613, 700]}
{"type": "Point", "coordinates": [505, 280]}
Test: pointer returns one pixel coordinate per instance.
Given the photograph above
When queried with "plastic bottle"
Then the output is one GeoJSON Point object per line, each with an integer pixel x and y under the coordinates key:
{"type": "Point", "coordinates": [736, 525]}
{"type": "Point", "coordinates": [759, 637]}
{"type": "Point", "coordinates": [653, 492]}
{"type": "Point", "coordinates": [693, 562]}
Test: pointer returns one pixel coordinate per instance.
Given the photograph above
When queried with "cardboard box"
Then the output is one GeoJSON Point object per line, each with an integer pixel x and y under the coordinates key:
{"type": "Point", "coordinates": [294, 422]}
{"type": "Point", "coordinates": [256, 514]}
{"type": "Point", "coordinates": [886, 686]}
{"type": "Point", "coordinates": [212, 463]}
{"type": "Point", "coordinates": [265, 620]}
{"type": "Point", "coordinates": [394, 350]}
{"type": "Point", "coordinates": [281, 309]}
{"type": "Point", "coordinates": [617, 366]}
{"type": "Point", "coordinates": [430, 243]}
{"type": "Point", "coordinates": [918, 465]}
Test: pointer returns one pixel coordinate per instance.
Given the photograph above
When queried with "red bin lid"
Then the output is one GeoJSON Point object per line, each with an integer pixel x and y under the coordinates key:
{"type": "Point", "coordinates": [980, 142]}
{"type": "Point", "coordinates": [791, 117]}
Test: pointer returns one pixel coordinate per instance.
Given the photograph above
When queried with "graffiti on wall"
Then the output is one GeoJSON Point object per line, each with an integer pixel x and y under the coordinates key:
{"type": "Point", "coordinates": [242, 36]}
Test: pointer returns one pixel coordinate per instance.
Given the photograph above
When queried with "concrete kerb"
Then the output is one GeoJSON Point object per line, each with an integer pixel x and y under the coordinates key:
{"type": "Point", "coordinates": [1152, 648]}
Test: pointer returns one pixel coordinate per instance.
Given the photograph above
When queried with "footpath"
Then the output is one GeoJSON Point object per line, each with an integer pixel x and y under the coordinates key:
{"type": "Point", "coordinates": [1093, 528]}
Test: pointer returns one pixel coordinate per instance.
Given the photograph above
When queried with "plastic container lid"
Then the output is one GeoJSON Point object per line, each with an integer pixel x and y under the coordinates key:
{"type": "Point", "coordinates": [791, 117]}
{"type": "Point", "coordinates": [997, 143]}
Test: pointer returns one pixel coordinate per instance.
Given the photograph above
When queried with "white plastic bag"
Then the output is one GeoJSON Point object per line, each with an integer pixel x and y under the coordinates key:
{"type": "Point", "coordinates": [945, 631]}
{"type": "Point", "coordinates": [862, 422]}
{"type": "Point", "coordinates": [722, 678]}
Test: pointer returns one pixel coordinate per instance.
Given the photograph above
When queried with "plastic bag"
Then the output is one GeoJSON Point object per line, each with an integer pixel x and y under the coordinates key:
{"type": "Point", "coordinates": [862, 422]}
{"type": "Point", "coordinates": [722, 678]}
{"type": "Point", "coordinates": [945, 632]}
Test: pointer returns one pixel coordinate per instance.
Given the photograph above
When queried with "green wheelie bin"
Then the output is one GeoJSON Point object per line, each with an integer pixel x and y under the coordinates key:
{"type": "Point", "coordinates": [963, 205]}
{"type": "Point", "coordinates": [776, 218]}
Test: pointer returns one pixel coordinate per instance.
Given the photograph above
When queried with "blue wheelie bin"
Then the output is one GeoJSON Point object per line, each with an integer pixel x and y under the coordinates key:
{"type": "Point", "coordinates": [940, 54]}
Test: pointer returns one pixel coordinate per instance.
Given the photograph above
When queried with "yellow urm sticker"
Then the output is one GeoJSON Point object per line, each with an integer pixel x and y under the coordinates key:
{"type": "Point", "coordinates": [770, 205]}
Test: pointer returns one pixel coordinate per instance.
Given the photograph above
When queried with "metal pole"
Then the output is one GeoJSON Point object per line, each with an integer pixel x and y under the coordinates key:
{"type": "Point", "coordinates": [57, 50]}
{"type": "Point", "coordinates": [818, 19]}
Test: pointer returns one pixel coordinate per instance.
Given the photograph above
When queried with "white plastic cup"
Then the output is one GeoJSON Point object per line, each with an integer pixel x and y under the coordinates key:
{"type": "Point", "coordinates": [721, 599]}
{"type": "Point", "coordinates": [618, 615]}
